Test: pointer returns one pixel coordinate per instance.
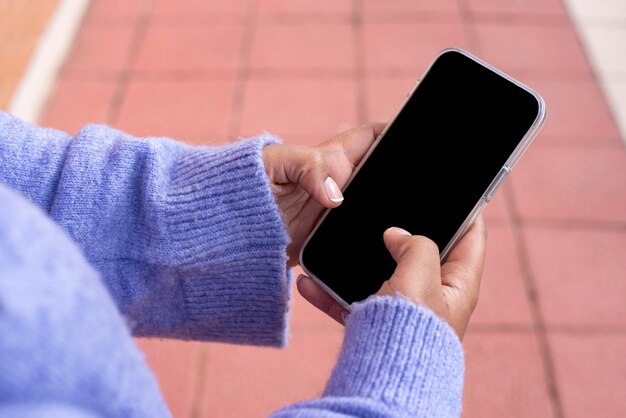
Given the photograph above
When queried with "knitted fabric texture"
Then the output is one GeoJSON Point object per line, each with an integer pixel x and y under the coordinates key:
{"type": "Point", "coordinates": [104, 236]}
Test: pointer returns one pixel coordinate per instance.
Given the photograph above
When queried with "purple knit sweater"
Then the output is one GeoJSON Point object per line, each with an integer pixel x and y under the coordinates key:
{"type": "Point", "coordinates": [104, 236]}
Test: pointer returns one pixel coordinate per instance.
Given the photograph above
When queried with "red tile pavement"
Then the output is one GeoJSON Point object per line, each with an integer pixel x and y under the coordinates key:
{"type": "Point", "coordinates": [177, 365]}
{"type": "Point", "coordinates": [190, 47]}
{"type": "Point", "coordinates": [504, 376]}
{"type": "Point", "coordinates": [503, 299]}
{"type": "Point", "coordinates": [385, 94]}
{"type": "Point", "coordinates": [180, 108]}
{"type": "Point", "coordinates": [571, 184]}
{"type": "Point", "coordinates": [299, 106]}
{"type": "Point", "coordinates": [114, 11]}
{"type": "Point", "coordinates": [408, 46]}
{"type": "Point", "coordinates": [88, 99]}
{"type": "Point", "coordinates": [548, 333]}
{"type": "Point", "coordinates": [416, 7]}
{"type": "Point", "coordinates": [577, 112]}
{"type": "Point", "coordinates": [302, 46]}
{"type": "Point", "coordinates": [101, 49]}
{"type": "Point", "coordinates": [304, 9]}
{"type": "Point", "coordinates": [587, 365]}
{"type": "Point", "coordinates": [519, 48]}
{"type": "Point", "coordinates": [247, 381]}
{"type": "Point", "coordinates": [199, 8]}
{"type": "Point", "coordinates": [579, 274]}
{"type": "Point", "coordinates": [533, 8]}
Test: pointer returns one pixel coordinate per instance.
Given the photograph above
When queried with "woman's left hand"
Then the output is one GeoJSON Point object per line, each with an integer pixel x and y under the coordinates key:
{"type": "Point", "coordinates": [305, 180]}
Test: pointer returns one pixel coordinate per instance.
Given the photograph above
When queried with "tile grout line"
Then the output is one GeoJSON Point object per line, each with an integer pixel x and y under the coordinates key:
{"type": "Point", "coordinates": [199, 382]}
{"type": "Point", "coordinates": [123, 79]}
{"type": "Point", "coordinates": [537, 327]}
{"type": "Point", "coordinates": [538, 321]}
{"type": "Point", "coordinates": [250, 23]}
{"type": "Point", "coordinates": [468, 25]}
{"type": "Point", "coordinates": [33, 90]}
{"type": "Point", "coordinates": [359, 61]}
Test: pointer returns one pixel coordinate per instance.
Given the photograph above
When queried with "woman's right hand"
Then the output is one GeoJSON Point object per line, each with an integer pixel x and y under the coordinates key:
{"type": "Point", "coordinates": [449, 290]}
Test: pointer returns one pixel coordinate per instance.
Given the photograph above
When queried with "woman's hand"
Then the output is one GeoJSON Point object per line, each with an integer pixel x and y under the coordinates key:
{"type": "Point", "coordinates": [306, 180]}
{"type": "Point", "coordinates": [449, 290]}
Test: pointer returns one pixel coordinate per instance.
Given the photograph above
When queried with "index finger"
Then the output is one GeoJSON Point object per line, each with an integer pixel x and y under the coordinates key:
{"type": "Point", "coordinates": [356, 142]}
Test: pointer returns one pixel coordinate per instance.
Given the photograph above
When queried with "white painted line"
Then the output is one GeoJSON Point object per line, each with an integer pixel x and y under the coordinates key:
{"type": "Point", "coordinates": [600, 25]}
{"type": "Point", "coordinates": [54, 44]}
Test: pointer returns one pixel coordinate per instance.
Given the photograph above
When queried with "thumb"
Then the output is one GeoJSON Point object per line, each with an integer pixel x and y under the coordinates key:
{"type": "Point", "coordinates": [395, 241]}
{"type": "Point", "coordinates": [417, 259]}
{"type": "Point", "coordinates": [306, 167]}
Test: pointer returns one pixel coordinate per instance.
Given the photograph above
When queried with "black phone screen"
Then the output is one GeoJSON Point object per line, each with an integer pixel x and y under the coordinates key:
{"type": "Point", "coordinates": [426, 174]}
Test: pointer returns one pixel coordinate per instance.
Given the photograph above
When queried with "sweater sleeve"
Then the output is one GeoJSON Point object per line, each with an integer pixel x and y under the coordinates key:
{"type": "Point", "coordinates": [64, 349]}
{"type": "Point", "coordinates": [397, 360]}
{"type": "Point", "coordinates": [188, 240]}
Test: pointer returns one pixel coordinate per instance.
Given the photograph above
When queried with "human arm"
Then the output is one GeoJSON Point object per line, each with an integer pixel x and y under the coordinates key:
{"type": "Point", "coordinates": [188, 240]}
{"type": "Point", "coordinates": [65, 351]}
{"type": "Point", "coordinates": [402, 355]}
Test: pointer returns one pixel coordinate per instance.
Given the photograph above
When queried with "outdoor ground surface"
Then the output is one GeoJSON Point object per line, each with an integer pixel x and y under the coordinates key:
{"type": "Point", "coordinates": [549, 335]}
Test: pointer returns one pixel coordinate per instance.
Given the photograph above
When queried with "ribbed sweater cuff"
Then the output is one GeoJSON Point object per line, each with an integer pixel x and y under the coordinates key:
{"type": "Point", "coordinates": [401, 354]}
{"type": "Point", "coordinates": [227, 231]}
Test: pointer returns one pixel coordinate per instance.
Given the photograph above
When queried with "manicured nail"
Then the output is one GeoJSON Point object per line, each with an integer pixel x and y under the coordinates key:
{"type": "Point", "coordinates": [332, 190]}
{"type": "Point", "coordinates": [398, 231]}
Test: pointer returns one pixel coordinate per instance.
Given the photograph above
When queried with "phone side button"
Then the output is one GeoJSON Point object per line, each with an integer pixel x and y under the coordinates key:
{"type": "Point", "coordinates": [496, 183]}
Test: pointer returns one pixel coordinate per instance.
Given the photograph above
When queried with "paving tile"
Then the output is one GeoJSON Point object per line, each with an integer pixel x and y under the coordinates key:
{"type": "Point", "coordinates": [574, 184]}
{"type": "Point", "coordinates": [182, 109]}
{"type": "Point", "coordinates": [198, 8]}
{"type": "Point", "coordinates": [504, 376]}
{"type": "Point", "coordinates": [303, 46]}
{"type": "Point", "coordinates": [76, 102]}
{"type": "Point", "coordinates": [101, 49]}
{"type": "Point", "coordinates": [616, 92]}
{"type": "Point", "coordinates": [577, 113]}
{"type": "Point", "coordinates": [374, 8]}
{"type": "Point", "coordinates": [176, 366]}
{"type": "Point", "coordinates": [114, 10]}
{"type": "Point", "coordinates": [519, 47]}
{"type": "Point", "coordinates": [552, 8]}
{"type": "Point", "coordinates": [579, 274]}
{"type": "Point", "coordinates": [299, 106]}
{"type": "Point", "coordinates": [609, 10]}
{"type": "Point", "coordinates": [385, 95]}
{"type": "Point", "coordinates": [591, 374]}
{"type": "Point", "coordinates": [605, 46]}
{"type": "Point", "coordinates": [408, 46]}
{"type": "Point", "coordinates": [305, 8]}
{"type": "Point", "coordinates": [191, 47]}
{"type": "Point", "coordinates": [307, 140]}
{"type": "Point", "coordinates": [503, 299]}
{"type": "Point", "coordinates": [255, 381]}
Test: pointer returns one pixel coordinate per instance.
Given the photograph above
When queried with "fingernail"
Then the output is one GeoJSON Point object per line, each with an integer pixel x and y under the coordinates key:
{"type": "Point", "coordinates": [398, 231]}
{"type": "Point", "coordinates": [332, 190]}
{"type": "Point", "coordinates": [300, 277]}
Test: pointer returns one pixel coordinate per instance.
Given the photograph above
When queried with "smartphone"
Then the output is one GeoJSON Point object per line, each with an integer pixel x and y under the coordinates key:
{"type": "Point", "coordinates": [431, 171]}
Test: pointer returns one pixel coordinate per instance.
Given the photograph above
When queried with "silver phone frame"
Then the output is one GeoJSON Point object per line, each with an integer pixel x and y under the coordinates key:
{"type": "Point", "coordinates": [489, 191]}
